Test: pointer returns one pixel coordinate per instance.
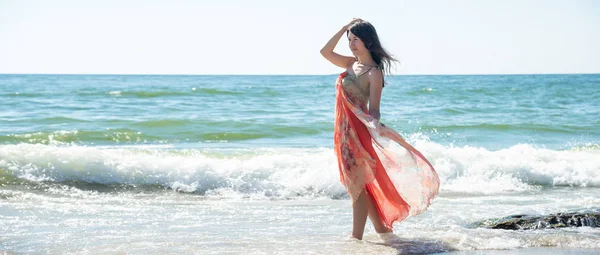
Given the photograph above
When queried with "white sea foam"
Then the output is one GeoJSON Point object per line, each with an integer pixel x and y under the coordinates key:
{"type": "Point", "coordinates": [291, 172]}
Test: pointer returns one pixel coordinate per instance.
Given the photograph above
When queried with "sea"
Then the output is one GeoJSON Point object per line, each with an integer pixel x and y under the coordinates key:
{"type": "Point", "coordinates": [244, 164]}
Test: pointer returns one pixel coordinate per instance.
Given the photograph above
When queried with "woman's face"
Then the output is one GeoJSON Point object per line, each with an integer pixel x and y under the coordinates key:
{"type": "Point", "coordinates": [356, 45]}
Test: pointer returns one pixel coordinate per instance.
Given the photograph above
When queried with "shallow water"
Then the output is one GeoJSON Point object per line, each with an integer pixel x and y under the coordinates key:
{"type": "Point", "coordinates": [106, 164]}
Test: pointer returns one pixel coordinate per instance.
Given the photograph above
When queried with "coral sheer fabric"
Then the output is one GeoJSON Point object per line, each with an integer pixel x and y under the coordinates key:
{"type": "Point", "coordinates": [374, 158]}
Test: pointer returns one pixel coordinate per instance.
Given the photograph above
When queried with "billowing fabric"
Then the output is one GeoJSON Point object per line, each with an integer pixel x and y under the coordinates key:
{"type": "Point", "coordinates": [376, 159]}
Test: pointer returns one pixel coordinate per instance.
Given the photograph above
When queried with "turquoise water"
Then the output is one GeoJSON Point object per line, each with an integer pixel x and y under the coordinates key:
{"type": "Point", "coordinates": [493, 111]}
{"type": "Point", "coordinates": [109, 164]}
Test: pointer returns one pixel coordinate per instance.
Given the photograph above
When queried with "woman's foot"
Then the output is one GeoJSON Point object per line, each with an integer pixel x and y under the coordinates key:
{"type": "Point", "coordinates": [388, 237]}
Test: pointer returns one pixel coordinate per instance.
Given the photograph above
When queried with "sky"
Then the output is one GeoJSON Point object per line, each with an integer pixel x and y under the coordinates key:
{"type": "Point", "coordinates": [284, 37]}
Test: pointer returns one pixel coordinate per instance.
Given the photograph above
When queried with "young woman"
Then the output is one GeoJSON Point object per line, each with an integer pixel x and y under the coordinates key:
{"type": "Point", "coordinates": [386, 178]}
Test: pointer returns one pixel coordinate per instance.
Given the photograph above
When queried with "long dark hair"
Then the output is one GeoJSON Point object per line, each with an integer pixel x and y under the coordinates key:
{"type": "Point", "coordinates": [368, 35]}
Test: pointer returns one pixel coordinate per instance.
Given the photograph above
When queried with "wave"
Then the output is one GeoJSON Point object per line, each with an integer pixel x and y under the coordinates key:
{"type": "Point", "coordinates": [193, 91]}
{"type": "Point", "coordinates": [509, 127]}
{"type": "Point", "coordinates": [119, 93]}
{"type": "Point", "coordinates": [271, 172]}
{"type": "Point", "coordinates": [210, 91]}
{"type": "Point", "coordinates": [151, 94]}
{"type": "Point", "coordinates": [166, 131]}
{"type": "Point", "coordinates": [22, 94]}
{"type": "Point", "coordinates": [81, 136]}
{"type": "Point", "coordinates": [287, 172]}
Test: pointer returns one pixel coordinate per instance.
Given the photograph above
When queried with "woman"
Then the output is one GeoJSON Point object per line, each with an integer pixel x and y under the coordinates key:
{"type": "Point", "coordinates": [386, 178]}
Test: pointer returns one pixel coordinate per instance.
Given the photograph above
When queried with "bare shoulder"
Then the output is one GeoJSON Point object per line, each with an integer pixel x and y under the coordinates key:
{"type": "Point", "coordinates": [375, 76]}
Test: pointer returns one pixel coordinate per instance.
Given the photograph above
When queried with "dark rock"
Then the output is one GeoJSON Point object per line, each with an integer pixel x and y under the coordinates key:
{"type": "Point", "coordinates": [559, 220]}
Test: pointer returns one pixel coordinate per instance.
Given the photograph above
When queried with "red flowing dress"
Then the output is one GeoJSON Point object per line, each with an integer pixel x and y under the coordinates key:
{"type": "Point", "coordinates": [376, 159]}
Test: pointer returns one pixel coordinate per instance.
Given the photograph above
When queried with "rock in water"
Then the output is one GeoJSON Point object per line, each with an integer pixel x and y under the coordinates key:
{"type": "Point", "coordinates": [559, 220]}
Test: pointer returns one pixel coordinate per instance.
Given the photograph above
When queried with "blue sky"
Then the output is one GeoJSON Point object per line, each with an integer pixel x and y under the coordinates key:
{"type": "Point", "coordinates": [284, 37]}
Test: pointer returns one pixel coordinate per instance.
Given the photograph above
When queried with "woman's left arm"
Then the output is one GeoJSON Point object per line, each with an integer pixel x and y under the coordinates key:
{"type": "Point", "coordinates": [375, 86]}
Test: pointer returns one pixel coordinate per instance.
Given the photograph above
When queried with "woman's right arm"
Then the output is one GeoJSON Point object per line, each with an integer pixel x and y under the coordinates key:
{"type": "Point", "coordinates": [327, 50]}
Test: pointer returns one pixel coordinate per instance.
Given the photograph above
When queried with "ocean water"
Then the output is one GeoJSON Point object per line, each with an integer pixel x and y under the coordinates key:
{"type": "Point", "coordinates": [113, 164]}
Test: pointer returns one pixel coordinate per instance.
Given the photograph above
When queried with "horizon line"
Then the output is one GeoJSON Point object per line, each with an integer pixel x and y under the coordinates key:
{"type": "Point", "coordinates": [182, 74]}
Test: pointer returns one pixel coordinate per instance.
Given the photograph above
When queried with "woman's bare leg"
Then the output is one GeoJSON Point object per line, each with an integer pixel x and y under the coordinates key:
{"type": "Point", "coordinates": [363, 207]}
{"type": "Point", "coordinates": [360, 211]}
{"type": "Point", "coordinates": [374, 216]}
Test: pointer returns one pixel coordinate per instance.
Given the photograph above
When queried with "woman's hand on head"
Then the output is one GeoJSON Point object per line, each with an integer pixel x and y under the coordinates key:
{"type": "Point", "coordinates": [354, 20]}
{"type": "Point", "coordinates": [327, 50]}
